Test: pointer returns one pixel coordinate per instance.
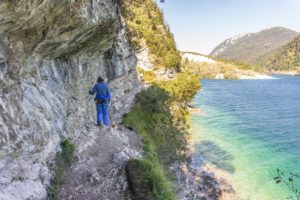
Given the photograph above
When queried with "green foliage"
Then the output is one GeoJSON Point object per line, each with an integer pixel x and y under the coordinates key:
{"type": "Point", "coordinates": [151, 119]}
{"type": "Point", "coordinates": [240, 65]}
{"type": "Point", "coordinates": [284, 58]}
{"type": "Point", "coordinates": [291, 181]}
{"type": "Point", "coordinates": [204, 70]}
{"type": "Point", "coordinates": [230, 75]}
{"type": "Point", "coordinates": [255, 48]}
{"type": "Point", "coordinates": [149, 178]}
{"type": "Point", "coordinates": [183, 88]}
{"type": "Point", "coordinates": [148, 76]}
{"type": "Point", "coordinates": [211, 70]}
{"type": "Point", "coordinates": [63, 161]}
{"type": "Point", "coordinates": [146, 26]}
{"type": "Point", "coordinates": [160, 117]}
{"type": "Point", "coordinates": [287, 58]}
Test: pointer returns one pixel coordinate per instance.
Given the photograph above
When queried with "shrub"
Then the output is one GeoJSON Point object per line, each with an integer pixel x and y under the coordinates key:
{"type": "Point", "coordinates": [160, 117]}
{"type": "Point", "coordinates": [148, 76]}
{"type": "Point", "coordinates": [147, 180]}
{"type": "Point", "coordinates": [183, 88]}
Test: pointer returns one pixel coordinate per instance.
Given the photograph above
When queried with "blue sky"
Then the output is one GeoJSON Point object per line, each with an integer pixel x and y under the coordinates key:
{"type": "Point", "coordinates": [200, 25]}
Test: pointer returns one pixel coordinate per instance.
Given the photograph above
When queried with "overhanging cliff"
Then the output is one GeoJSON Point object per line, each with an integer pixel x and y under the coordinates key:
{"type": "Point", "coordinates": [50, 54]}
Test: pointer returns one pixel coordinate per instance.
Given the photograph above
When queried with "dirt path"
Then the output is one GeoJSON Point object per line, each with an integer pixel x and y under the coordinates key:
{"type": "Point", "coordinates": [98, 172]}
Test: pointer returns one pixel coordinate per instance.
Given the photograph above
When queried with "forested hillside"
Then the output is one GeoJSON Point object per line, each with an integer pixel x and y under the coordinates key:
{"type": "Point", "coordinates": [254, 48]}
{"type": "Point", "coordinates": [286, 58]}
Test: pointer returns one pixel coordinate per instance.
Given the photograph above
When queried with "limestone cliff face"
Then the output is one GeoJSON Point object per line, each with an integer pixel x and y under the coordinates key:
{"type": "Point", "coordinates": [51, 53]}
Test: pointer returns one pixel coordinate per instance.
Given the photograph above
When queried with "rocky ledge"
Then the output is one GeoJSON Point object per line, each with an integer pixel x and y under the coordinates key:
{"type": "Point", "coordinates": [51, 52]}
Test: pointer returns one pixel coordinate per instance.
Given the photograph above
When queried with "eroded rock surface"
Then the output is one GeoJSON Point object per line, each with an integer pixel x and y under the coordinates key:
{"type": "Point", "coordinates": [51, 53]}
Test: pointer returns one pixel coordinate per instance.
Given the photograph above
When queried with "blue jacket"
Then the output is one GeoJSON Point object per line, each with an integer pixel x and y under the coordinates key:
{"type": "Point", "coordinates": [101, 90]}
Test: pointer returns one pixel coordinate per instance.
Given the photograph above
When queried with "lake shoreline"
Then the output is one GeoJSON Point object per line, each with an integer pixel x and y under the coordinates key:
{"type": "Point", "coordinates": [256, 77]}
{"type": "Point", "coordinates": [237, 133]}
{"type": "Point", "coordinates": [204, 181]}
{"type": "Point", "coordinates": [290, 73]}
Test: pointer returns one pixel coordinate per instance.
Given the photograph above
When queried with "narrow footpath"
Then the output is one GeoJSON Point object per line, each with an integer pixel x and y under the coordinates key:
{"type": "Point", "coordinates": [98, 171]}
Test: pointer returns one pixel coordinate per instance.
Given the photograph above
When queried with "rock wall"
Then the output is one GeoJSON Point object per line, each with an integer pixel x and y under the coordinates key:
{"type": "Point", "coordinates": [51, 53]}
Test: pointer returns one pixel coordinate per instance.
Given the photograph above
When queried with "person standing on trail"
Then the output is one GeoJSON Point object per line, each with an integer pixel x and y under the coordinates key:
{"type": "Point", "coordinates": [102, 100]}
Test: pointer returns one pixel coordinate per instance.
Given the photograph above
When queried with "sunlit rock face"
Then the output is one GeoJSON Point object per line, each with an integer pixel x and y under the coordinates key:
{"type": "Point", "coordinates": [51, 53]}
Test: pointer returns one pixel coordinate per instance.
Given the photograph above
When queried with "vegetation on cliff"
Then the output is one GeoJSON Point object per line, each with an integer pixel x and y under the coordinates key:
{"type": "Point", "coordinates": [160, 117]}
{"type": "Point", "coordinates": [147, 27]}
{"type": "Point", "coordinates": [160, 114]}
{"type": "Point", "coordinates": [63, 161]}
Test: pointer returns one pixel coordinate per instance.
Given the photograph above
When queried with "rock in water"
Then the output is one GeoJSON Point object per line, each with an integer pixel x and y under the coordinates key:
{"type": "Point", "coordinates": [50, 52]}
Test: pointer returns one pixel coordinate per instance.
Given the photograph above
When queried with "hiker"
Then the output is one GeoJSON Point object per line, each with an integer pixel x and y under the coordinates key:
{"type": "Point", "coordinates": [102, 100]}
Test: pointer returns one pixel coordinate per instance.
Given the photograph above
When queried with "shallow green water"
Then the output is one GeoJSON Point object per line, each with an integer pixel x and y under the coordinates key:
{"type": "Point", "coordinates": [249, 128]}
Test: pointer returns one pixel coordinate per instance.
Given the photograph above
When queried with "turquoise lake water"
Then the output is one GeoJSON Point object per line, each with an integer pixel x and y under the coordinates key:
{"type": "Point", "coordinates": [249, 128]}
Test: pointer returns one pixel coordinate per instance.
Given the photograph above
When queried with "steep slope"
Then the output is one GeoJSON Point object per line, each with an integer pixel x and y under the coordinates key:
{"type": "Point", "coordinates": [148, 30]}
{"type": "Point", "coordinates": [50, 53]}
{"type": "Point", "coordinates": [286, 58]}
{"type": "Point", "coordinates": [254, 48]}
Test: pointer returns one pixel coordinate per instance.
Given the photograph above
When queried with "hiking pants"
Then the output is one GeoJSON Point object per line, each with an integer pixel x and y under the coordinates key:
{"type": "Point", "coordinates": [102, 113]}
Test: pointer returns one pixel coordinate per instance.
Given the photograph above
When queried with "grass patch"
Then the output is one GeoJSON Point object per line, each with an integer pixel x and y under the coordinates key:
{"type": "Point", "coordinates": [63, 161]}
{"type": "Point", "coordinates": [147, 180]}
{"type": "Point", "coordinates": [160, 117]}
{"type": "Point", "coordinates": [151, 119]}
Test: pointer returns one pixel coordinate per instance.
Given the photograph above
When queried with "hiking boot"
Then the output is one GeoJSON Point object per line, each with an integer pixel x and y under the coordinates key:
{"type": "Point", "coordinates": [99, 124]}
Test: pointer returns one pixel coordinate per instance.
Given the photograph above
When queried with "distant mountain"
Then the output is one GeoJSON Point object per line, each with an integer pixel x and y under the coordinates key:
{"type": "Point", "coordinates": [285, 58]}
{"type": "Point", "coordinates": [254, 48]}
